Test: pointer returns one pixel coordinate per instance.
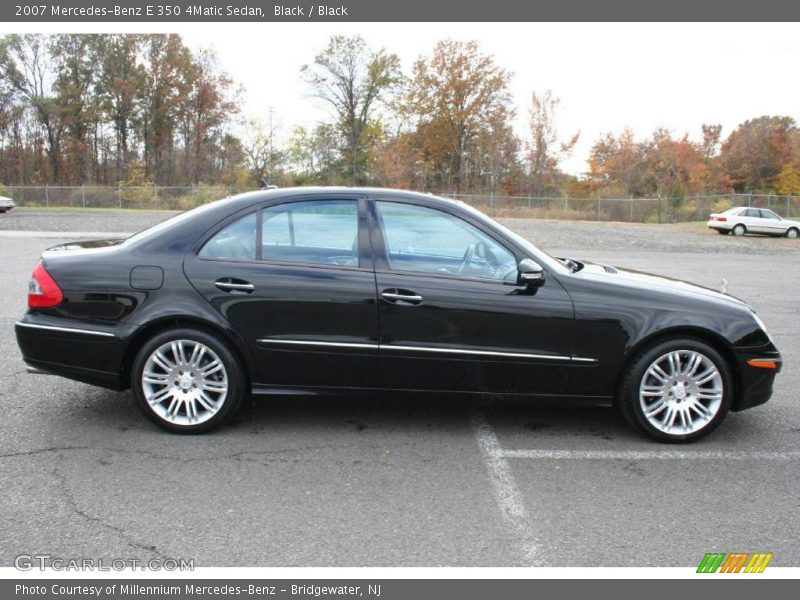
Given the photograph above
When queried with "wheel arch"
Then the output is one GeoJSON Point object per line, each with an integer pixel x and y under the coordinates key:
{"type": "Point", "coordinates": [155, 327]}
{"type": "Point", "coordinates": [713, 339]}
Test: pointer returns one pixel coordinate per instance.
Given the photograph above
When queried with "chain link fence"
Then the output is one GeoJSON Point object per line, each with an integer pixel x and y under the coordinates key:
{"type": "Point", "coordinates": [151, 197]}
{"type": "Point", "coordinates": [634, 210]}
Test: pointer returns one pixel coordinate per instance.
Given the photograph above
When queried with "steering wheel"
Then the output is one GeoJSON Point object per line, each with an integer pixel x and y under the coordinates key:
{"type": "Point", "coordinates": [469, 254]}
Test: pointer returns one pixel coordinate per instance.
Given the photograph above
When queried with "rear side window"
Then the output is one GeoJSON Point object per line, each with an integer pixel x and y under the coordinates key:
{"type": "Point", "coordinates": [236, 241]}
{"type": "Point", "coordinates": [321, 232]}
{"type": "Point", "coordinates": [316, 232]}
{"type": "Point", "coordinates": [752, 212]}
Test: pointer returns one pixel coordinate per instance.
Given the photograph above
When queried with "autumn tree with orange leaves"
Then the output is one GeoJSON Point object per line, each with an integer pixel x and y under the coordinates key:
{"type": "Point", "coordinates": [460, 99]}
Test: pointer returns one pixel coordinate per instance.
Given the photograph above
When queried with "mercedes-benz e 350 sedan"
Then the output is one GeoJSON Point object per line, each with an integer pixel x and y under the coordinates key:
{"type": "Point", "coordinates": [315, 290]}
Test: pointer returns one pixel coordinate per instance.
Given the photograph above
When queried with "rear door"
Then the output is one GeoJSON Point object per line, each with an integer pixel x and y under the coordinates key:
{"type": "Point", "coordinates": [751, 217]}
{"type": "Point", "coordinates": [451, 314]}
{"type": "Point", "coordinates": [295, 279]}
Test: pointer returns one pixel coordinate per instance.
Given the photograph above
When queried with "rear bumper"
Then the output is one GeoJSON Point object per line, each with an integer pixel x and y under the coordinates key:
{"type": "Point", "coordinates": [76, 350]}
{"type": "Point", "coordinates": [719, 226]}
{"type": "Point", "coordinates": [755, 383]}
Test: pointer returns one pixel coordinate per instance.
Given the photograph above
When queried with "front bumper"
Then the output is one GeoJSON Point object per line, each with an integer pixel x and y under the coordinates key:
{"type": "Point", "coordinates": [755, 382]}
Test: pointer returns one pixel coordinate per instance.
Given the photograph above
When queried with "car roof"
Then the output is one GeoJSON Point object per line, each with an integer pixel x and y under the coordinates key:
{"type": "Point", "coordinates": [261, 195]}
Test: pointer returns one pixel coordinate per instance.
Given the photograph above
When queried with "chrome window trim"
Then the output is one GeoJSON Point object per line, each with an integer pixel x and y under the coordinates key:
{"type": "Point", "coordinates": [65, 329]}
{"type": "Point", "coordinates": [376, 346]}
{"type": "Point", "coordinates": [317, 343]}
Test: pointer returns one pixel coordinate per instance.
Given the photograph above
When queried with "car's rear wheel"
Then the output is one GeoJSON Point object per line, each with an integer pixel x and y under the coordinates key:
{"type": "Point", "coordinates": [678, 390]}
{"type": "Point", "coordinates": [739, 230]}
{"type": "Point", "coordinates": [793, 233]}
{"type": "Point", "coordinates": [187, 380]}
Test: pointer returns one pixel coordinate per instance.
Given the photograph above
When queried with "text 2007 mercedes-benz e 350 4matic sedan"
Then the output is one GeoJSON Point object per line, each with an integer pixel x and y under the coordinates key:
{"type": "Point", "coordinates": [314, 290]}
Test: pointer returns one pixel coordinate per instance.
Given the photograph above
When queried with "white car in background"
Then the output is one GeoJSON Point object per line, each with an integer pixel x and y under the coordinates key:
{"type": "Point", "coordinates": [6, 204]}
{"type": "Point", "coordinates": [745, 219]}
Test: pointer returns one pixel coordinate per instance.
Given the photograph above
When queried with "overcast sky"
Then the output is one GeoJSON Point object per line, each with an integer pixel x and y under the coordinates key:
{"type": "Point", "coordinates": [608, 76]}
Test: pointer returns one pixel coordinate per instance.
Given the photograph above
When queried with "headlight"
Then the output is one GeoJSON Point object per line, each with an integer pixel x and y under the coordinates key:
{"type": "Point", "coordinates": [761, 324]}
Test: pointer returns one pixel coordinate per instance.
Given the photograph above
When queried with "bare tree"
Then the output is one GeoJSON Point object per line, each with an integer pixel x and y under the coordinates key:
{"type": "Point", "coordinates": [24, 65]}
{"type": "Point", "coordinates": [545, 149]}
{"type": "Point", "coordinates": [260, 148]}
{"type": "Point", "coordinates": [352, 80]}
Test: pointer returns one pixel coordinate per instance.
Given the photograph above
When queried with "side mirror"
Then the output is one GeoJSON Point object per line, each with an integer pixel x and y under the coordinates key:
{"type": "Point", "coordinates": [529, 272]}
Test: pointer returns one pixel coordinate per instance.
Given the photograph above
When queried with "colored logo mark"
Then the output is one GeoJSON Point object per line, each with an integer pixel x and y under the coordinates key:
{"type": "Point", "coordinates": [735, 562]}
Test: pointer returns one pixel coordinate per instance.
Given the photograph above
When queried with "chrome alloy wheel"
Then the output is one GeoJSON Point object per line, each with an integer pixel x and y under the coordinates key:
{"type": "Point", "coordinates": [184, 382]}
{"type": "Point", "coordinates": [681, 392]}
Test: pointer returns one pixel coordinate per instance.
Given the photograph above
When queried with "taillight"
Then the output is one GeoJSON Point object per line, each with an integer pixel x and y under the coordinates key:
{"type": "Point", "coordinates": [715, 218]}
{"type": "Point", "coordinates": [43, 291]}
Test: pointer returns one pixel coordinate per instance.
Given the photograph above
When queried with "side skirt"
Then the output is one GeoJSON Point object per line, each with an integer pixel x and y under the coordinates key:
{"type": "Point", "coordinates": [259, 389]}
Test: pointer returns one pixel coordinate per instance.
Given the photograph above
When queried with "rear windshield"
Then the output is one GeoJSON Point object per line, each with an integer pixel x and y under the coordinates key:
{"type": "Point", "coordinates": [172, 221]}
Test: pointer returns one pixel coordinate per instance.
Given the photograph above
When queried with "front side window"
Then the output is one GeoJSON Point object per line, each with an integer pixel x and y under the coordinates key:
{"type": "Point", "coordinates": [236, 241]}
{"type": "Point", "coordinates": [426, 240]}
{"type": "Point", "coordinates": [317, 232]}
{"type": "Point", "coordinates": [768, 214]}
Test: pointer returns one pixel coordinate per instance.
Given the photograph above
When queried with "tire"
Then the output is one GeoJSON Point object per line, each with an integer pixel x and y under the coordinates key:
{"type": "Point", "coordinates": [722, 231]}
{"type": "Point", "coordinates": [195, 382]}
{"type": "Point", "coordinates": [793, 233]}
{"type": "Point", "coordinates": [704, 405]}
{"type": "Point", "coordinates": [739, 230]}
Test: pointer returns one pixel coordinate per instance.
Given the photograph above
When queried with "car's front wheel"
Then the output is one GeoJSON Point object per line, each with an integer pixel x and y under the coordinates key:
{"type": "Point", "coordinates": [793, 233]}
{"type": "Point", "coordinates": [187, 380]}
{"type": "Point", "coordinates": [678, 390]}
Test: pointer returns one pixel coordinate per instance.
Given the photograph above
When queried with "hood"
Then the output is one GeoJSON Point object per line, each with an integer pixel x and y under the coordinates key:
{"type": "Point", "coordinates": [647, 281]}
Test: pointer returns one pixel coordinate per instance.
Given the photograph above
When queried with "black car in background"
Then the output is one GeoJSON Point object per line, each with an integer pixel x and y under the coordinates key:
{"type": "Point", "coordinates": [314, 290]}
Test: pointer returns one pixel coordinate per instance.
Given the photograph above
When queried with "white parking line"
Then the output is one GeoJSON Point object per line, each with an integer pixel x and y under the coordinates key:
{"type": "Point", "coordinates": [506, 493]}
{"type": "Point", "coordinates": [648, 454]}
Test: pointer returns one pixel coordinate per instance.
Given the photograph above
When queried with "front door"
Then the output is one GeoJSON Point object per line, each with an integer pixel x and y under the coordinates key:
{"type": "Point", "coordinates": [295, 279]}
{"type": "Point", "coordinates": [451, 314]}
{"type": "Point", "coordinates": [771, 223]}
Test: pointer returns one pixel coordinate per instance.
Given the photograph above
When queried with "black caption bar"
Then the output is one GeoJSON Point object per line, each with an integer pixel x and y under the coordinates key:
{"type": "Point", "coordinates": [390, 589]}
{"type": "Point", "coordinates": [397, 10]}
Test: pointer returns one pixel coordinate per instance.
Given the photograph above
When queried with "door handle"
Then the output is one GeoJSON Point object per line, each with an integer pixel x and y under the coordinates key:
{"type": "Point", "coordinates": [230, 285]}
{"type": "Point", "coordinates": [401, 297]}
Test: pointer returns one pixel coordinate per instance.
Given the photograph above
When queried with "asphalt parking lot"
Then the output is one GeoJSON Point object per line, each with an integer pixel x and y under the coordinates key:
{"type": "Point", "coordinates": [406, 481]}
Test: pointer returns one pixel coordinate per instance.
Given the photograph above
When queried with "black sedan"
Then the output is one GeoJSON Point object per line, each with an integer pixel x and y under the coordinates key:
{"type": "Point", "coordinates": [320, 290]}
